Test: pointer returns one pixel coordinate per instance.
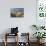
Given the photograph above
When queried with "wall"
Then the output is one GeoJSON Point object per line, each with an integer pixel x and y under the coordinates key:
{"type": "Point", "coordinates": [24, 23]}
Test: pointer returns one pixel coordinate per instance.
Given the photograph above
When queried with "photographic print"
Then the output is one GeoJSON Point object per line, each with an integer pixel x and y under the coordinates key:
{"type": "Point", "coordinates": [17, 12]}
